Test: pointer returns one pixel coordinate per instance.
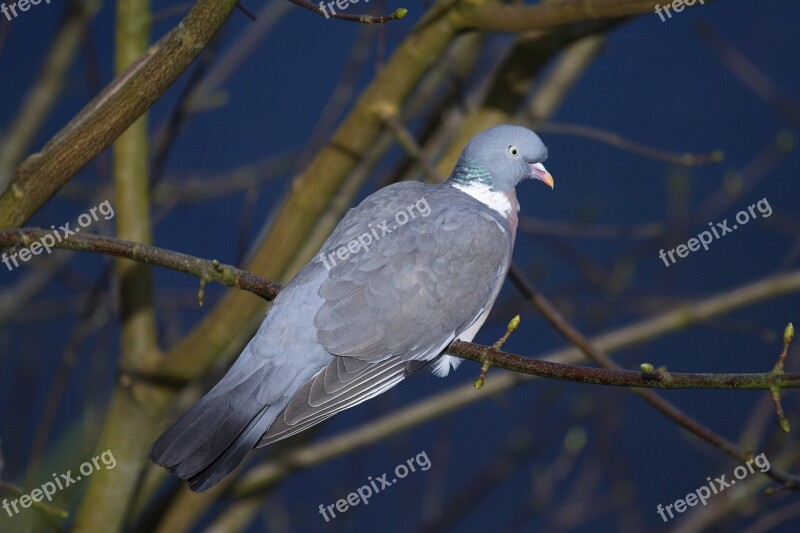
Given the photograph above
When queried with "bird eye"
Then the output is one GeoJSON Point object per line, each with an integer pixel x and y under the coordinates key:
{"type": "Point", "coordinates": [513, 150]}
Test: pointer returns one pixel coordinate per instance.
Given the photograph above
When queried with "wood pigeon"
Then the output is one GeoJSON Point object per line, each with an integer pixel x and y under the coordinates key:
{"type": "Point", "coordinates": [412, 268]}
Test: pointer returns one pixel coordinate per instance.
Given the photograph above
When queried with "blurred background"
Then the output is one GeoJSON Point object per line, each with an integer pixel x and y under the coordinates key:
{"type": "Point", "coordinates": [637, 114]}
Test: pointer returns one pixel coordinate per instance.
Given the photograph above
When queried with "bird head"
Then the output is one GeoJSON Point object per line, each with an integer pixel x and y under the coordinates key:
{"type": "Point", "coordinates": [501, 157]}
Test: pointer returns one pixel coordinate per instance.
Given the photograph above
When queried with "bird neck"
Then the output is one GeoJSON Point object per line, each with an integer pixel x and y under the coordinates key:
{"type": "Point", "coordinates": [466, 174]}
{"type": "Point", "coordinates": [504, 202]}
{"type": "Point", "coordinates": [477, 182]}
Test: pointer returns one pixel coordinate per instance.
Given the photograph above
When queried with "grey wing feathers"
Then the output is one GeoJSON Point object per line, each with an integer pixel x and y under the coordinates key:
{"type": "Point", "coordinates": [427, 280]}
{"type": "Point", "coordinates": [391, 308]}
{"type": "Point", "coordinates": [331, 391]}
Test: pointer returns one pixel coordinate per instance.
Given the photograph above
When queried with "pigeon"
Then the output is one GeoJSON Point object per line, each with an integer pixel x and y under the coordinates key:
{"type": "Point", "coordinates": [412, 268]}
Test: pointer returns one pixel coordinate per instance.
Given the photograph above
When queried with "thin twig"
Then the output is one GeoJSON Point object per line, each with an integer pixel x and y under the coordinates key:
{"type": "Point", "coordinates": [212, 270]}
{"type": "Point", "coordinates": [561, 325]}
{"type": "Point", "coordinates": [597, 134]}
{"type": "Point", "coordinates": [618, 377]}
{"type": "Point", "coordinates": [749, 73]}
{"type": "Point", "coordinates": [363, 19]}
{"type": "Point", "coordinates": [463, 396]}
{"type": "Point", "coordinates": [411, 147]}
{"type": "Point", "coordinates": [588, 230]}
{"type": "Point", "coordinates": [246, 11]}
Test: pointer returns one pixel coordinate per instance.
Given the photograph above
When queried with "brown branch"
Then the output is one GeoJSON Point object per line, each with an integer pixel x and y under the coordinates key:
{"type": "Point", "coordinates": [118, 106]}
{"type": "Point", "coordinates": [209, 270]}
{"type": "Point", "coordinates": [561, 325]}
{"type": "Point", "coordinates": [579, 130]}
{"type": "Point", "coordinates": [249, 14]}
{"type": "Point", "coordinates": [618, 377]}
{"type": "Point", "coordinates": [587, 230]}
{"type": "Point", "coordinates": [413, 150]}
{"type": "Point", "coordinates": [463, 396]}
{"type": "Point", "coordinates": [363, 19]}
{"type": "Point", "coordinates": [750, 74]}
{"type": "Point", "coordinates": [212, 270]}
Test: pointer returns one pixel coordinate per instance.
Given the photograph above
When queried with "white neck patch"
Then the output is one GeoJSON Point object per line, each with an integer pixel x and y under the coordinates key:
{"type": "Point", "coordinates": [498, 201]}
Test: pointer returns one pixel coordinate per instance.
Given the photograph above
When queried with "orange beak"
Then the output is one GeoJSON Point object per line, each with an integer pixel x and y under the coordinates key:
{"type": "Point", "coordinates": [540, 173]}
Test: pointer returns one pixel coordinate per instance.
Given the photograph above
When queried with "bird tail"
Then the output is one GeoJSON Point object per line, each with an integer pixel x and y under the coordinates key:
{"type": "Point", "coordinates": [213, 437]}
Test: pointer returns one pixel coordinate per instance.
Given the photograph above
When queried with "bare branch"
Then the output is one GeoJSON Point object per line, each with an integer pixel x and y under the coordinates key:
{"type": "Point", "coordinates": [597, 134]}
{"type": "Point", "coordinates": [41, 97]}
{"type": "Point", "coordinates": [233, 277]}
{"type": "Point", "coordinates": [655, 379]}
{"type": "Point", "coordinates": [546, 15]}
{"type": "Point", "coordinates": [363, 19]}
{"type": "Point", "coordinates": [210, 270]}
{"type": "Point", "coordinates": [111, 112]}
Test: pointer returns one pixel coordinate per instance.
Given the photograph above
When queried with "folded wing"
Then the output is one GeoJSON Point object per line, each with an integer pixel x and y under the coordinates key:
{"type": "Point", "coordinates": [392, 306]}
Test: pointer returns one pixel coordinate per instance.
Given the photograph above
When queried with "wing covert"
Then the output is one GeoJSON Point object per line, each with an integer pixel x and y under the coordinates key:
{"type": "Point", "coordinates": [424, 281]}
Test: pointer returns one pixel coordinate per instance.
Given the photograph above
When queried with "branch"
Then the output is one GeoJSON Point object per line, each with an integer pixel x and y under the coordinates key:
{"type": "Point", "coordinates": [593, 352]}
{"type": "Point", "coordinates": [413, 150]}
{"type": "Point", "coordinates": [491, 357]}
{"type": "Point", "coordinates": [441, 404]}
{"type": "Point", "coordinates": [750, 74]}
{"type": "Point", "coordinates": [547, 15]}
{"type": "Point", "coordinates": [109, 494]}
{"type": "Point", "coordinates": [589, 230]}
{"type": "Point", "coordinates": [597, 134]}
{"type": "Point", "coordinates": [43, 95]}
{"type": "Point", "coordinates": [212, 270]}
{"type": "Point", "coordinates": [206, 270]}
{"type": "Point", "coordinates": [363, 19]}
{"type": "Point", "coordinates": [647, 378]}
{"type": "Point", "coordinates": [110, 113]}
{"type": "Point", "coordinates": [249, 14]}
{"type": "Point", "coordinates": [295, 220]}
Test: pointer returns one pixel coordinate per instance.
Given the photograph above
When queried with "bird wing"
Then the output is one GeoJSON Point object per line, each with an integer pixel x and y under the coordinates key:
{"type": "Point", "coordinates": [392, 306]}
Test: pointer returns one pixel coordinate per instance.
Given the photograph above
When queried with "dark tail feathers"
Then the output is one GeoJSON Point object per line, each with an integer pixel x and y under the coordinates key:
{"type": "Point", "coordinates": [213, 437]}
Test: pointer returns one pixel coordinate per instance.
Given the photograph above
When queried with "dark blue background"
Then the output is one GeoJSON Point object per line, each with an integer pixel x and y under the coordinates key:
{"type": "Point", "coordinates": [655, 83]}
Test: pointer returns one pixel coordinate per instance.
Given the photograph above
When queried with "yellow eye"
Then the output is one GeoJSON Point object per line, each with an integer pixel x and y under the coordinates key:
{"type": "Point", "coordinates": [513, 150]}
